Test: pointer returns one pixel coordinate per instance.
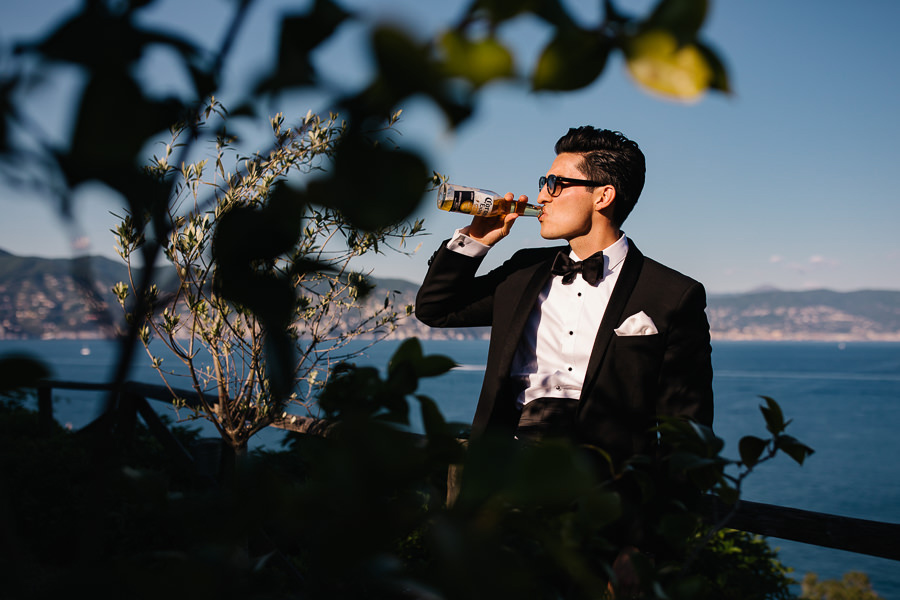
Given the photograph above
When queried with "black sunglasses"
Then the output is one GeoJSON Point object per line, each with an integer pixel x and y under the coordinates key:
{"type": "Point", "coordinates": [555, 183]}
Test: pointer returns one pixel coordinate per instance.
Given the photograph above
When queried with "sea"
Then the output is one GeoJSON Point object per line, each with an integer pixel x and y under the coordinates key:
{"type": "Point", "coordinates": [843, 400]}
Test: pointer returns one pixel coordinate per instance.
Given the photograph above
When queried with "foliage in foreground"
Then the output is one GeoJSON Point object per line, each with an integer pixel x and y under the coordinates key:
{"type": "Point", "coordinates": [360, 513]}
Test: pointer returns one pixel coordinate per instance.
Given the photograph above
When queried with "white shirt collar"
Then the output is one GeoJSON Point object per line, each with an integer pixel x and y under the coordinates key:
{"type": "Point", "coordinates": [613, 255]}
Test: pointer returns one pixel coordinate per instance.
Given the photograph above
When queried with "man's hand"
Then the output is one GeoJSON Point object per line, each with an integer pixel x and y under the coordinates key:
{"type": "Point", "coordinates": [490, 230]}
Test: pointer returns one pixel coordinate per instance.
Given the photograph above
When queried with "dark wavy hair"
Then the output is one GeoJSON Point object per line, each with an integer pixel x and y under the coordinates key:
{"type": "Point", "coordinates": [609, 157]}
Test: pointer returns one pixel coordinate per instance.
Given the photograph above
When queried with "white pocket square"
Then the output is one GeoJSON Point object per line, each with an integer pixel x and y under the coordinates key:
{"type": "Point", "coordinates": [637, 324]}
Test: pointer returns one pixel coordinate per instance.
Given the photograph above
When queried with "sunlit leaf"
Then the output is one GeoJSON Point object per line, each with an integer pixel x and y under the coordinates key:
{"type": "Point", "coordinates": [480, 61]}
{"type": "Point", "coordinates": [657, 61]}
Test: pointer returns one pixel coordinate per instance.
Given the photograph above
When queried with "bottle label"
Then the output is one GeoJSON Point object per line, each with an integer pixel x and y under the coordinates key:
{"type": "Point", "coordinates": [482, 206]}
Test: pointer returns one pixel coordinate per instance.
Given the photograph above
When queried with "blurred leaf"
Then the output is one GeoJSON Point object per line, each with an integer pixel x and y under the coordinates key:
{"type": "Point", "coordinates": [497, 11]}
{"type": "Point", "coordinates": [108, 140]}
{"type": "Point", "coordinates": [87, 38]}
{"type": "Point", "coordinates": [480, 62]}
{"type": "Point", "coordinates": [406, 68]}
{"type": "Point", "coordinates": [402, 378]}
{"type": "Point", "coordinates": [600, 508]}
{"type": "Point", "coordinates": [245, 236]}
{"type": "Point", "coordinates": [404, 64]}
{"type": "Point", "coordinates": [372, 186]}
{"type": "Point", "coordinates": [683, 18]}
{"type": "Point", "coordinates": [773, 416]}
{"type": "Point", "coordinates": [432, 419]}
{"type": "Point", "coordinates": [559, 467]}
{"type": "Point", "coordinates": [793, 448]}
{"type": "Point", "coordinates": [687, 461]}
{"type": "Point", "coordinates": [719, 80]}
{"type": "Point", "coordinates": [751, 448]}
{"type": "Point", "coordinates": [434, 365]}
{"type": "Point", "coordinates": [408, 351]}
{"type": "Point", "coordinates": [299, 36]}
{"type": "Point", "coordinates": [21, 371]}
{"type": "Point", "coordinates": [658, 62]}
{"type": "Point", "coordinates": [728, 494]}
{"type": "Point", "coordinates": [572, 60]}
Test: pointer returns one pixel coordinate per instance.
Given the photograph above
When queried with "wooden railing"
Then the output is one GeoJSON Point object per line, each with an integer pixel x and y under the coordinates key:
{"type": "Point", "coordinates": [873, 538]}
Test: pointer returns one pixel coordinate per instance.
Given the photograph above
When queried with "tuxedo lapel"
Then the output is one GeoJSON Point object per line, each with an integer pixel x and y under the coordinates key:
{"type": "Point", "coordinates": [628, 278]}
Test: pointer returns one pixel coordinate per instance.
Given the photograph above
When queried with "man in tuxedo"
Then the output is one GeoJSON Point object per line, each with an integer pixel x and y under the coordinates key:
{"type": "Point", "coordinates": [591, 340]}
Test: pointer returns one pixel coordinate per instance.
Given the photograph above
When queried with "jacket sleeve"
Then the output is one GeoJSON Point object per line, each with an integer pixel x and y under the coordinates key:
{"type": "Point", "coordinates": [451, 295]}
{"type": "Point", "coordinates": [686, 375]}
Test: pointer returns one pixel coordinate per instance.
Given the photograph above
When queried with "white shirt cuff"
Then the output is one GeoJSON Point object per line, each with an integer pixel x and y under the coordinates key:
{"type": "Point", "coordinates": [463, 244]}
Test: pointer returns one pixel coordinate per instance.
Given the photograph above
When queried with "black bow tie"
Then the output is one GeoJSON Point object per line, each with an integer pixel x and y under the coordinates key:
{"type": "Point", "coordinates": [591, 268]}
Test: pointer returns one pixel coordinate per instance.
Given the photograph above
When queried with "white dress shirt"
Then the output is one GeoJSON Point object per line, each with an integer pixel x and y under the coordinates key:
{"type": "Point", "coordinates": [553, 353]}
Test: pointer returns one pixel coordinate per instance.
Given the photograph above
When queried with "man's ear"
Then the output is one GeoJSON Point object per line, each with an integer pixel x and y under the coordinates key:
{"type": "Point", "coordinates": [604, 196]}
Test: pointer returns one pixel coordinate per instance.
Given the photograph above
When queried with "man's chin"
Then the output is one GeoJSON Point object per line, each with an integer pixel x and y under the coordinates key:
{"type": "Point", "coordinates": [548, 234]}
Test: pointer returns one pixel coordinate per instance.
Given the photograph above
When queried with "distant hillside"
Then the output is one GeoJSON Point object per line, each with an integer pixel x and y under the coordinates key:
{"type": "Point", "coordinates": [807, 315]}
{"type": "Point", "coordinates": [64, 298]}
{"type": "Point", "coordinates": [57, 298]}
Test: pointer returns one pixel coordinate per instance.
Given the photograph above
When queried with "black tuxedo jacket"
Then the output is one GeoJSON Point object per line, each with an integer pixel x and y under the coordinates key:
{"type": "Point", "coordinates": [630, 380]}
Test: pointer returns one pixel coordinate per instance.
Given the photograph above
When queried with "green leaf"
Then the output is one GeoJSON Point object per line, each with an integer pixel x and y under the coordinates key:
{"type": "Point", "coordinates": [683, 18]}
{"type": "Point", "coordinates": [751, 448]}
{"type": "Point", "coordinates": [572, 60]}
{"type": "Point", "coordinates": [719, 81]}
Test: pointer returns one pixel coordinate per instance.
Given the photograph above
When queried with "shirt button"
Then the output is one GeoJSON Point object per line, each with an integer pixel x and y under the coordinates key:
{"type": "Point", "coordinates": [571, 333]}
{"type": "Point", "coordinates": [558, 388]}
{"type": "Point", "coordinates": [570, 368]}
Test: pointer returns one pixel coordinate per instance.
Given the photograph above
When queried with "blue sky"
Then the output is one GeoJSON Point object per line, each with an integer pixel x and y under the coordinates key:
{"type": "Point", "coordinates": [792, 182]}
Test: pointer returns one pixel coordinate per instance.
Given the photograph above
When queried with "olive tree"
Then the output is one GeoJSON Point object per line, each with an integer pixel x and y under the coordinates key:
{"type": "Point", "coordinates": [221, 343]}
